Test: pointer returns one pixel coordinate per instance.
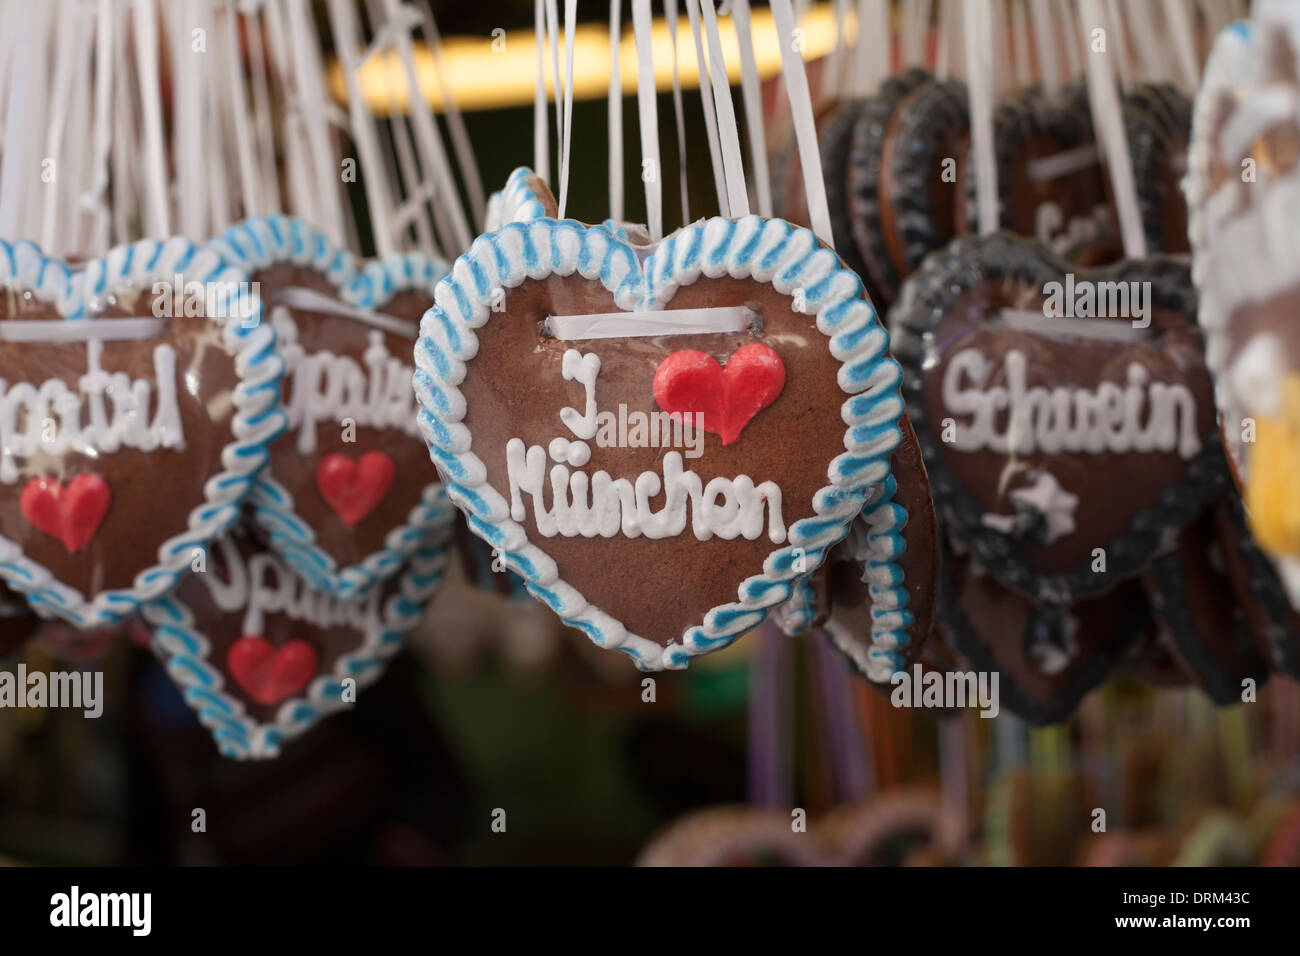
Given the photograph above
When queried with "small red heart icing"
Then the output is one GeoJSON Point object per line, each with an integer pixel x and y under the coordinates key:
{"type": "Point", "coordinates": [270, 675]}
{"type": "Point", "coordinates": [72, 513]}
{"type": "Point", "coordinates": [354, 489]}
{"type": "Point", "coordinates": [690, 381]}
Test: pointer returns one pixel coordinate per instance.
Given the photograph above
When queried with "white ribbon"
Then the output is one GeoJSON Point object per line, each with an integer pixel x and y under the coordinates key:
{"type": "Point", "coordinates": [648, 114]}
{"type": "Point", "coordinates": [1109, 122]}
{"type": "Point", "coordinates": [616, 111]}
{"type": "Point", "coordinates": [570, 28]}
{"type": "Point", "coordinates": [732, 165]}
{"type": "Point", "coordinates": [622, 325]}
{"type": "Point", "coordinates": [753, 98]}
{"type": "Point", "coordinates": [82, 330]}
{"type": "Point", "coordinates": [706, 101]}
{"type": "Point", "coordinates": [304, 299]}
{"type": "Point", "coordinates": [805, 128]}
{"type": "Point", "coordinates": [670, 15]}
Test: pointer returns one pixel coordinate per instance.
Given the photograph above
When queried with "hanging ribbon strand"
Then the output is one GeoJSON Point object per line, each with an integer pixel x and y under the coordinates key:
{"type": "Point", "coordinates": [670, 15]}
{"type": "Point", "coordinates": [732, 165]}
{"type": "Point", "coordinates": [805, 128]}
{"type": "Point", "coordinates": [648, 113]}
{"type": "Point", "coordinates": [706, 101]}
{"type": "Point", "coordinates": [616, 112]}
{"type": "Point", "coordinates": [1108, 118]}
{"type": "Point", "coordinates": [541, 125]}
{"type": "Point", "coordinates": [979, 42]}
{"type": "Point", "coordinates": [570, 28]}
{"type": "Point", "coordinates": [753, 98]}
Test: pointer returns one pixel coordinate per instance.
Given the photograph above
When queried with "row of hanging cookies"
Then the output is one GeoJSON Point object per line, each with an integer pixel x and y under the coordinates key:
{"type": "Point", "coordinates": [211, 441]}
{"type": "Point", "coordinates": [1022, 218]}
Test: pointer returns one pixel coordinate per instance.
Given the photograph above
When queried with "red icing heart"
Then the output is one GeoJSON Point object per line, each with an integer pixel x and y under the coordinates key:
{"type": "Point", "coordinates": [690, 381]}
{"type": "Point", "coordinates": [72, 514]}
{"type": "Point", "coordinates": [354, 489]}
{"type": "Point", "coordinates": [269, 675]}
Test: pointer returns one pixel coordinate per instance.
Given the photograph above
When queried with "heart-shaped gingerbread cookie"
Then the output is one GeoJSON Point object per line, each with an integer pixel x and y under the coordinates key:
{"type": "Point", "coordinates": [261, 656]}
{"type": "Point", "coordinates": [897, 529]}
{"type": "Point", "coordinates": [348, 491]}
{"type": "Point", "coordinates": [137, 400]}
{"type": "Point", "coordinates": [1067, 420]}
{"type": "Point", "coordinates": [536, 373]}
{"type": "Point", "coordinates": [1243, 196]}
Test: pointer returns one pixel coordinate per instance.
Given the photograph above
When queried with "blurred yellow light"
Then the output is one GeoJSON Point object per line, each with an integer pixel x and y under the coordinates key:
{"type": "Point", "coordinates": [487, 73]}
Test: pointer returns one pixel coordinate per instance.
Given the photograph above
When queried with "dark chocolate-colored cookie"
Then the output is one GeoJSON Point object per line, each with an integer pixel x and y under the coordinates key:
{"type": "Point", "coordinates": [863, 180]}
{"type": "Point", "coordinates": [1065, 431]}
{"type": "Point", "coordinates": [1158, 125]}
{"type": "Point", "coordinates": [1273, 623]}
{"type": "Point", "coordinates": [836, 140]}
{"type": "Point", "coordinates": [925, 140]}
{"type": "Point", "coordinates": [1047, 657]}
{"type": "Point", "coordinates": [1193, 595]}
{"type": "Point", "coordinates": [1051, 186]}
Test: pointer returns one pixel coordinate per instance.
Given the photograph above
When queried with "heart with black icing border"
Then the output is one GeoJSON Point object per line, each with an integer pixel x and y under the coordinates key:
{"type": "Point", "coordinates": [1046, 657]}
{"type": "Point", "coordinates": [348, 491]}
{"type": "Point", "coordinates": [107, 495]}
{"type": "Point", "coordinates": [1034, 515]}
{"type": "Point", "coordinates": [1221, 606]}
{"type": "Point", "coordinates": [261, 656]}
{"type": "Point", "coordinates": [486, 377]}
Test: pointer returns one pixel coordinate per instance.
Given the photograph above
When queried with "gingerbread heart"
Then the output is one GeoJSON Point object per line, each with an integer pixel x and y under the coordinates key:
{"type": "Point", "coordinates": [1050, 181]}
{"type": "Point", "coordinates": [261, 656]}
{"type": "Point", "coordinates": [1243, 192]}
{"type": "Point", "coordinates": [898, 527]}
{"type": "Point", "coordinates": [703, 562]}
{"type": "Point", "coordinates": [908, 826]}
{"type": "Point", "coordinates": [1157, 126]}
{"type": "Point", "coordinates": [863, 183]}
{"type": "Point", "coordinates": [1203, 601]}
{"type": "Point", "coordinates": [1047, 657]}
{"type": "Point", "coordinates": [348, 491]}
{"type": "Point", "coordinates": [1066, 420]}
{"type": "Point", "coordinates": [138, 402]}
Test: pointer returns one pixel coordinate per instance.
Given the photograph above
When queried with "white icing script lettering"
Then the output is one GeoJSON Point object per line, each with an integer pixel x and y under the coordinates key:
{"type": "Point", "coordinates": [569, 502]}
{"type": "Point", "coordinates": [108, 412]}
{"type": "Point", "coordinates": [265, 586]}
{"type": "Point", "coordinates": [324, 387]}
{"type": "Point", "coordinates": [1140, 416]}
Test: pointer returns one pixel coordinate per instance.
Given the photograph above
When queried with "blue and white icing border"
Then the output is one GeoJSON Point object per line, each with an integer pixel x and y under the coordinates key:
{"type": "Point", "coordinates": [179, 641]}
{"type": "Point", "coordinates": [767, 251]}
{"type": "Point", "coordinates": [877, 543]}
{"type": "Point", "coordinates": [258, 244]}
{"type": "Point", "coordinates": [256, 421]}
{"type": "Point", "coordinates": [517, 201]}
